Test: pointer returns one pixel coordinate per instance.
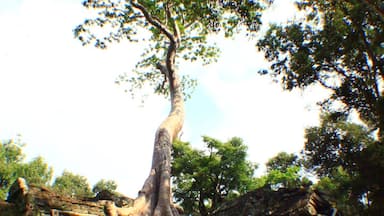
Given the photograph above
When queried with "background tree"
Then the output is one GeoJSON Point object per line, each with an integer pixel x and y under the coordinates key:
{"type": "Point", "coordinates": [336, 142]}
{"type": "Point", "coordinates": [11, 157]}
{"type": "Point", "coordinates": [290, 178]}
{"type": "Point", "coordinates": [176, 29]}
{"type": "Point", "coordinates": [285, 170]}
{"type": "Point", "coordinates": [335, 151]}
{"type": "Point", "coordinates": [282, 161]}
{"type": "Point", "coordinates": [205, 179]}
{"type": "Point", "coordinates": [338, 45]}
{"type": "Point", "coordinates": [108, 185]}
{"type": "Point", "coordinates": [338, 186]}
{"type": "Point", "coordinates": [36, 172]}
{"type": "Point", "coordinates": [72, 185]}
{"type": "Point", "coordinates": [12, 166]}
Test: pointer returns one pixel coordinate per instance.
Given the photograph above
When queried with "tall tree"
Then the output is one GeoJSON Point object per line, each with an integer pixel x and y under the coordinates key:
{"type": "Point", "coordinates": [177, 28]}
{"type": "Point", "coordinates": [205, 179]}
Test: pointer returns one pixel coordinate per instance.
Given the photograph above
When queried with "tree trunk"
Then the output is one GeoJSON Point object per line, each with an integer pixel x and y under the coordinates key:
{"type": "Point", "coordinates": [155, 196]}
{"type": "Point", "coordinates": [157, 188]}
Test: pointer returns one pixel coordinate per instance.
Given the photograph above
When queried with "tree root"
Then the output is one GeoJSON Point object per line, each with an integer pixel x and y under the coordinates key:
{"type": "Point", "coordinates": [153, 200]}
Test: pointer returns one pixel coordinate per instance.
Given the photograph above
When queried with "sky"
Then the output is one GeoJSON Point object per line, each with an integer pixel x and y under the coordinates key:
{"type": "Point", "coordinates": [61, 97]}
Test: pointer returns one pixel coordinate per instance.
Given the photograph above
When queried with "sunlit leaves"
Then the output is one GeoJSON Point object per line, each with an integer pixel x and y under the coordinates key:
{"type": "Point", "coordinates": [12, 166]}
{"type": "Point", "coordinates": [72, 185]}
{"type": "Point", "coordinates": [113, 22]}
{"type": "Point", "coordinates": [290, 178]}
{"type": "Point", "coordinates": [284, 170]}
{"type": "Point", "coordinates": [204, 179]}
{"type": "Point", "coordinates": [36, 172]}
{"type": "Point", "coordinates": [117, 20]}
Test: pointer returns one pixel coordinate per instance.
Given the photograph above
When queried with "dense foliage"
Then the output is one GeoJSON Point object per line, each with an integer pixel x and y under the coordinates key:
{"type": "Point", "coordinates": [104, 185]}
{"type": "Point", "coordinates": [205, 179]}
{"type": "Point", "coordinates": [38, 172]}
{"type": "Point", "coordinates": [286, 171]}
{"type": "Point", "coordinates": [189, 21]}
{"type": "Point", "coordinates": [341, 153]}
{"type": "Point", "coordinates": [72, 185]}
{"type": "Point", "coordinates": [12, 166]}
{"type": "Point", "coordinates": [338, 45]}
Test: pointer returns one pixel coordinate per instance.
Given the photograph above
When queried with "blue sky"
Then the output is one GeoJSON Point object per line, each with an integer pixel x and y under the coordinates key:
{"type": "Point", "coordinates": [62, 99]}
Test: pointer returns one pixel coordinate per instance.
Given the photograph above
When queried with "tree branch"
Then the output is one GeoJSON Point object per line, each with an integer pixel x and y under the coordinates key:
{"type": "Point", "coordinates": [338, 70]}
{"type": "Point", "coordinates": [173, 45]}
{"type": "Point", "coordinates": [325, 85]}
{"type": "Point", "coordinates": [163, 69]}
{"type": "Point", "coordinates": [373, 70]}
{"type": "Point", "coordinates": [156, 23]}
{"type": "Point", "coordinates": [375, 8]}
{"type": "Point", "coordinates": [176, 31]}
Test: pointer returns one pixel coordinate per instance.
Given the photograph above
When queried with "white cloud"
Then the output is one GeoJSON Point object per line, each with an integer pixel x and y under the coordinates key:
{"type": "Point", "coordinates": [255, 108]}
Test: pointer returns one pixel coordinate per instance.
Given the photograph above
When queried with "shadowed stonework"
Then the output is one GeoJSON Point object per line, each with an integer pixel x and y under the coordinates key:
{"type": "Point", "coordinates": [284, 201]}
{"type": "Point", "coordinates": [30, 200]}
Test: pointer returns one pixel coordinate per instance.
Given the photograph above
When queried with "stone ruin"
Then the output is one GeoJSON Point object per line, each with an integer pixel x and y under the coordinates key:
{"type": "Point", "coordinates": [32, 200]}
{"type": "Point", "coordinates": [284, 201]}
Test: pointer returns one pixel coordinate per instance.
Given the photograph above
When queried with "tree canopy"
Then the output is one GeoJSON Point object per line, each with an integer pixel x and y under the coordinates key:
{"type": "Point", "coordinates": [336, 142]}
{"type": "Point", "coordinates": [285, 171]}
{"type": "Point", "coordinates": [104, 185]}
{"type": "Point", "coordinates": [347, 158]}
{"type": "Point", "coordinates": [282, 161]}
{"type": "Point", "coordinates": [188, 23]}
{"type": "Point", "coordinates": [12, 166]}
{"type": "Point", "coordinates": [72, 185]}
{"type": "Point", "coordinates": [339, 45]}
{"type": "Point", "coordinates": [205, 179]}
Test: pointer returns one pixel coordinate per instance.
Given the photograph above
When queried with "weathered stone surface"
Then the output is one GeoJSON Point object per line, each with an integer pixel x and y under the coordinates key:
{"type": "Point", "coordinates": [281, 202]}
{"type": "Point", "coordinates": [118, 199]}
{"type": "Point", "coordinates": [31, 200]}
{"type": "Point", "coordinates": [24, 200]}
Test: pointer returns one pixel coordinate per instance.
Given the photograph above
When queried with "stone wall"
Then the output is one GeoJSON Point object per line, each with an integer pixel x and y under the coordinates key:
{"type": "Point", "coordinates": [290, 202]}
{"type": "Point", "coordinates": [31, 200]}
